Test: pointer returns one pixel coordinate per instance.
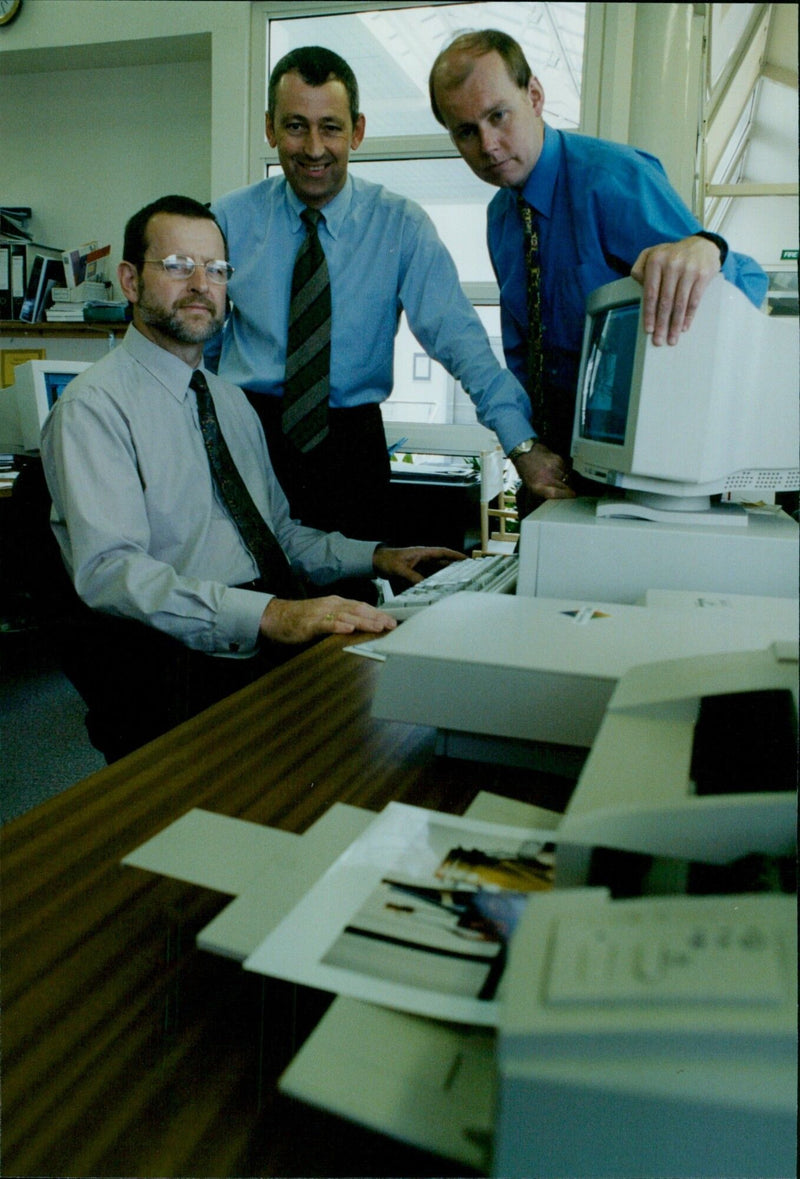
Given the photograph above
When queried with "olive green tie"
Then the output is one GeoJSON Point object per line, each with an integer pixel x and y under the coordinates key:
{"type": "Point", "coordinates": [535, 365]}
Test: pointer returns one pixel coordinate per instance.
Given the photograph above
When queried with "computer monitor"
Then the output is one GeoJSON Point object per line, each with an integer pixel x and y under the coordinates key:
{"type": "Point", "coordinates": [25, 404]}
{"type": "Point", "coordinates": [675, 425]}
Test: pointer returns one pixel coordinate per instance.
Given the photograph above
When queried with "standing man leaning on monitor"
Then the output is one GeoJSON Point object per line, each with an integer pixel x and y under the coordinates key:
{"type": "Point", "coordinates": [170, 521]}
{"type": "Point", "coordinates": [382, 256]}
{"type": "Point", "coordinates": [594, 211]}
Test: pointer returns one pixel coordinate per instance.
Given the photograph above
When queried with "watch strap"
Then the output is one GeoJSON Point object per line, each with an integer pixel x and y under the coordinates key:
{"type": "Point", "coordinates": [522, 448]}
{"type": "Point", "coordinates": [718, 241]}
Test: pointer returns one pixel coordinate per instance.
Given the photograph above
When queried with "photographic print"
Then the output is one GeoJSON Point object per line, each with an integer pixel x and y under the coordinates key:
{"type": "Point", "coordinates": [417, 914]}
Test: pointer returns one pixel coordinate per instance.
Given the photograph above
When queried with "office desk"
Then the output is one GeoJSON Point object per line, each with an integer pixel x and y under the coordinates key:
{"type": "Point", "coordinates": [126, 1051]}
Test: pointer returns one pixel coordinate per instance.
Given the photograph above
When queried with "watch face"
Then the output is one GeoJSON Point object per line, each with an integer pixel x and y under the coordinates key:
{"type": "Point", "coordinates": [8, 10]}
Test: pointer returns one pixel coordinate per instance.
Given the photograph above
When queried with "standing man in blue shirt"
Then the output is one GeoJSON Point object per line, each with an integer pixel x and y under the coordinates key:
{"type": "Point", "coordinates": [383, 257]}
{"type": "Point", "coordinates": [603, 211]}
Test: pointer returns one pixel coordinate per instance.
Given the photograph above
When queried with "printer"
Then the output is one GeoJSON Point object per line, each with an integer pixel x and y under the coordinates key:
{"type": "Point", "coordinates": [649, 1037]}
{"type": "Point", "coordinates": [650, 1001]}
{"type": "Point", "coordinates": [647, 1017]}
{"type": "Point", "coordinates": [520, 680]}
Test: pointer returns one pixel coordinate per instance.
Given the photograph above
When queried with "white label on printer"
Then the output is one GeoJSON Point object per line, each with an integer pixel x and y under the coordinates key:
{"type": "Point", "coordinates": [585, 614]}
{"type": "Point", "coordinates": [698, 961]}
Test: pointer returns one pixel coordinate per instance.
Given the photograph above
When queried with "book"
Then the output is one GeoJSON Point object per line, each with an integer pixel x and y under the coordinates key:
{"type": "Point", "coordinates": [22, 257]}
{"type": "Point", "coordinates": [107, 311]}
{"type": "Point", "coordinates": [86, 262]}
{"type": "Point", "coordinates": [19, 276]}
{"type": "Point", "coordinates": [82, 293]}
{"type": "Point", "coordinates": [5, 280]}
{"type": "Point", "coordinates": [65, 313]}
{"type": "Point", "coordinates": [45, 274]}
{"type": "Point", "coordinates": [32, 289]}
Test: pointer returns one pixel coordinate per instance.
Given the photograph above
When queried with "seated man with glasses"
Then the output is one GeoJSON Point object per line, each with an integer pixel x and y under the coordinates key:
{"type": "Point", "coordinates": [171, 524]}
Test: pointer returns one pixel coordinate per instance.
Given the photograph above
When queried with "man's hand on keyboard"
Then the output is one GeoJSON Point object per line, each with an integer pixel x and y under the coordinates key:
{"type": "Point", "coordinates": [493, 574]}
{"type": "Point", "coordinates": [413, 564]}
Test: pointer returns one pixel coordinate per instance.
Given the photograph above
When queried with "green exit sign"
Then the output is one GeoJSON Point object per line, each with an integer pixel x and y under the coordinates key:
{"type": "Point", "coordinates": [788, 255]}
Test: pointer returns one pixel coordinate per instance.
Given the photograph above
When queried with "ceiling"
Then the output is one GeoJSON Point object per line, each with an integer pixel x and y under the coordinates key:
{"type": "Point", "coordinates": [111, 55]}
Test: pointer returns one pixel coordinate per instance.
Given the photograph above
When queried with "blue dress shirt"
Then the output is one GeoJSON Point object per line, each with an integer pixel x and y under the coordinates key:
{"type": "Point", "coordinates": [384, 256]}
{"type": "Point", "coordinates": [598, 204]}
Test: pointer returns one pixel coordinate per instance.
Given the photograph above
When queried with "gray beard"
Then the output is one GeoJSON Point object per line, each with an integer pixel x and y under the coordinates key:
{"type": "Point", "coordinates": [170, 324]}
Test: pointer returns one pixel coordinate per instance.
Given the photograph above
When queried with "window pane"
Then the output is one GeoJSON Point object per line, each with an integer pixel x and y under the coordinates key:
{"type": "Point", "coordinates": [426, 392]}
{"type": "Point", "coordinates": [391, 53]}
{"type": "Point", "coordinates": [454, 199]}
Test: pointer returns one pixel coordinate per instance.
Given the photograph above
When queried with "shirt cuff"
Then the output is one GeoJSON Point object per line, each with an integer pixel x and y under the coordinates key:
{"type": "Point", "coordinates": [358, 557]}
{"type": "Point", "coordinates": [511, 434]}
{"type": "Point", "coordinates": [238, 626]}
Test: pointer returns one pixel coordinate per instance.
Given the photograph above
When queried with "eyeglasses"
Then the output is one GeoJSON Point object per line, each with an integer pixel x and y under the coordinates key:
{"type": "Point", "coordinates": [179, 266]}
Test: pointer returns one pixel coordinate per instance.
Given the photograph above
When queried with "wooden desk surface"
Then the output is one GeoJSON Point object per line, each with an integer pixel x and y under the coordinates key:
{"type": "Point", "coordinates": [125, 1050]}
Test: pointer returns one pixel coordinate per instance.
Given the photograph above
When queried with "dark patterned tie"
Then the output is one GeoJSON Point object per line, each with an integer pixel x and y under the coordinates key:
{"type": "Point", "coordinates": [308, 349]}
{"type": "Point", "coordinates": [275, 570]}
{"type": "Point", "coordinates": [535, 366]}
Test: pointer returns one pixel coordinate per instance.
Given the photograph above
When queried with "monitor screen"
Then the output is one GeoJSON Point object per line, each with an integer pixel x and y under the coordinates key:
{"type": "Point", "coordinates": [609, 367]}
{"type": "Point", "coordinates": [54, 385]}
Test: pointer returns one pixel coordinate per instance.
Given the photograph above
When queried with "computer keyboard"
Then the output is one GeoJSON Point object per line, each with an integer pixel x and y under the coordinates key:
{"type": "Point", "coordinates": [495, 574]}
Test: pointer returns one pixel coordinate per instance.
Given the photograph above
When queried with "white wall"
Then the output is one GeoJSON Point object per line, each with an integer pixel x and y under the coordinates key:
{"type": "Point", "coordinates": [82, 178]}
{"type": "Point", "coordinates": [50, 32]}
{"type": "Point", "coordinates": [762, 226]}
{"type": "Point", "coordinates": [159, 102]}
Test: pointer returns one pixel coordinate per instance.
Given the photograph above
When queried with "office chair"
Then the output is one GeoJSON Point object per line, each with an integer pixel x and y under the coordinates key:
{"type": "Point", "coordinates": [120, 668]}
{"type": "Point", "coordinates": [136, 682]}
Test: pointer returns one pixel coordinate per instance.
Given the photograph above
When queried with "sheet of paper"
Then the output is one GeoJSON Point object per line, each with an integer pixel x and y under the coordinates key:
{"type": "Point", "coordinates": [368, 650]}
{"type": "Point", "coordinates": [415, 915]}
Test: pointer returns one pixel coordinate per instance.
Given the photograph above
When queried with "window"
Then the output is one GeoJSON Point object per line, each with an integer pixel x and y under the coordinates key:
{"type": "Point", "coordinates": [391, 48]}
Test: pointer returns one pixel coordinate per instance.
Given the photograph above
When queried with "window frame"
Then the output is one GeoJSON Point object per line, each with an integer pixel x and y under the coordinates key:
{"type": "Point", "coordinates": [599, 30]}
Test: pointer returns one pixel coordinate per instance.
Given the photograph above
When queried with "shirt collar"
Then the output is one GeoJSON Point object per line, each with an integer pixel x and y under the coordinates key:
{"type": "Point", "coordinates": [334, 212]}
{"type": "Point", "coordinates": [540, 186]}
{"type": "Point", "coordinates": [169, 370]}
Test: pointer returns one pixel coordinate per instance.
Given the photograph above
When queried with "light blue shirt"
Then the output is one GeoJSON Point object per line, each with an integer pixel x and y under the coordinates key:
{"type": "Point", "coordinates": [384, 256]}
{"type": "Point", "coordinates": [140, 521]}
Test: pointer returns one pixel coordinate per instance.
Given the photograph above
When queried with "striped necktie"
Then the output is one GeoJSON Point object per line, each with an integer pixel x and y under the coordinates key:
{"type": "Point", "coordinates": [308, 350]}
{"type": "Point", "coordinates": [535, 366]}
{"type": "Point", "coordinates": [275, 570]}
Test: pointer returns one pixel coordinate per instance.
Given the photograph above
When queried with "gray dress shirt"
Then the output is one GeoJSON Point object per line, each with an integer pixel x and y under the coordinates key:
{"type": "Point", "coordinates": [141, 526]}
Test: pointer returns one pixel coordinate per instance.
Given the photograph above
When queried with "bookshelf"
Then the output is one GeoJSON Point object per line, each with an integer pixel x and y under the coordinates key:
{"type": "Point", "coordinates": [55, 341]}
{"type": "Point", "coordinates": [77, 331]}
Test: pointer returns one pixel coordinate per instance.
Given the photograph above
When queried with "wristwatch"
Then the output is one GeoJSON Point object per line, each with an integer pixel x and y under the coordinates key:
{"type": "Point", "coordinates": [718, 241]}
{"type": "Point", "coordinates": [522, 448]}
